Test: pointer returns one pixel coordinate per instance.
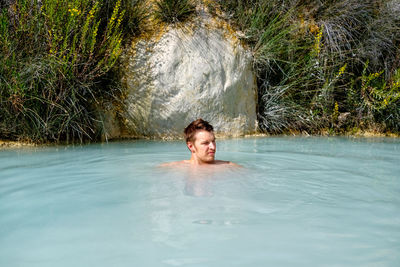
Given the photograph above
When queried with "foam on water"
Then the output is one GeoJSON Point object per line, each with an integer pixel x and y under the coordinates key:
{"type": "Point", "coordinates": [295, 202]}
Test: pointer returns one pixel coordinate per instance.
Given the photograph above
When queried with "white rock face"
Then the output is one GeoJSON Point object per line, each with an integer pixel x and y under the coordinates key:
{"type": "Point", "coordinates": [199, 71]}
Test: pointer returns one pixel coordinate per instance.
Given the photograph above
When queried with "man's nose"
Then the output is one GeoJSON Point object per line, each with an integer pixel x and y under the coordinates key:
{"type": "Point", "coordinates": [212, 145]}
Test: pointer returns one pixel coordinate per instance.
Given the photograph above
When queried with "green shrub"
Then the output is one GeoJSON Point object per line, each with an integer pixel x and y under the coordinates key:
{"type": "Point", "coordinates": [311, 61]}
{"type": "Point", "coordinates": [53, 59]}
{"type": "Point", "coordinates": [376, 100]}
{"type": "Point", "coordinates": [136, 12]}
{"type": "Point", "coordinates": [172, 11]}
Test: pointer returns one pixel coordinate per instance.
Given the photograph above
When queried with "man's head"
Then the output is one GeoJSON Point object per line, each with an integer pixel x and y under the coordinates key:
{"type": "Point", "coordinates": [195, 126]}
{"type": "Point", "coordinates": [200, 140]}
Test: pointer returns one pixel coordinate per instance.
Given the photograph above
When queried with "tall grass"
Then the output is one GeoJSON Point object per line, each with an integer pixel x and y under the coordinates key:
{"type": "Point", "coordinates": [319, 60]}
{"type": "Point", "coordinates": [55, 60]}
{"type": "Point", "coordinates": [172, 11]}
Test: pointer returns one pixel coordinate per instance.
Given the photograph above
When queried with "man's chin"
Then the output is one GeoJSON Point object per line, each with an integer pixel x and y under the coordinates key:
{"type": "Point", "coordinates": [210, 160]}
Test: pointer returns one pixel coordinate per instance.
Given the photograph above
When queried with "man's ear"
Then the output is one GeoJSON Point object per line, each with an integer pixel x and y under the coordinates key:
{"type": "Point", "coordinates": [190, 146]}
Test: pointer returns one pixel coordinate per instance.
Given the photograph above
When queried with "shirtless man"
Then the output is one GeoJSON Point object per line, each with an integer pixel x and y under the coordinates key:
{"type": "Point", "coordinates": [200, 140]}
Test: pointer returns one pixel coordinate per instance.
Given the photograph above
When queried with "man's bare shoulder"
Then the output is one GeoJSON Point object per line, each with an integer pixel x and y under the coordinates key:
{"type": "Point", "coordinates": [225, 162]}
{"type": "Point", "coordinates": [175, 163]}
{"type": "Point", "coordinates": [188, 163]}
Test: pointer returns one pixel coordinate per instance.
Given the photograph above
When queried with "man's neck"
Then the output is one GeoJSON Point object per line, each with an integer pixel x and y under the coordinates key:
{"type": "Point", "coordinates": [195, 161]}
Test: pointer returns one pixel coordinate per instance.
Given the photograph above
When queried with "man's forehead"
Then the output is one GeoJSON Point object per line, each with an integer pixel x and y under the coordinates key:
{"type": "Point", "coordinates": [203, 134]}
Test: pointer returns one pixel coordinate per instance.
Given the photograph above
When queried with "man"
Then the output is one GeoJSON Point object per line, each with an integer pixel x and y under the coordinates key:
{"type": "Point", "coordinates": [200, 140]}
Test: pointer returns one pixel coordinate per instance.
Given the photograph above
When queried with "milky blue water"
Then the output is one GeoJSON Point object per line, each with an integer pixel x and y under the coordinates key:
{"type": "Point", "coordinates": [296, 202]}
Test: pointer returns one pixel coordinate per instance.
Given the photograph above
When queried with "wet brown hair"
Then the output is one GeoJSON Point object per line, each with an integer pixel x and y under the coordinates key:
{"type": "Point", "coordinates": [195, 126]}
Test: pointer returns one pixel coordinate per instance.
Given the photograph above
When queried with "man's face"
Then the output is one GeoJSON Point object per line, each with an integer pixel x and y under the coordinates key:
{"type": "Point", "coordinates": [203, 148]}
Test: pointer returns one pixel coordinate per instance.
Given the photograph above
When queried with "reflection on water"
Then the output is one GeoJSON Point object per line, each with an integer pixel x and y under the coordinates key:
{"type": "Point", "coordinates": [200, 186]}
{"type": "Point", "coordinates": [199, 180]}
{"type": "Point", "coordinates": [296, 202]}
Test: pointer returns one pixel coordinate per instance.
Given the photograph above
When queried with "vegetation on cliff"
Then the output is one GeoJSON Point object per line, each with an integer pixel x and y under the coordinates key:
{"type": "Point", "coordinates": [323, 64]}
{"type": "Point", "coordinates": [173, 11]}
{"type": "Point", "coordinates": [56, 62]}
{"type": "Point", "coordinates": [331, 65]}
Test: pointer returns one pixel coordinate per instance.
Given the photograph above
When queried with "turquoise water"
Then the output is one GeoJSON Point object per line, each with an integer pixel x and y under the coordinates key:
{"type": "Point", "coordinates": [296, 202]}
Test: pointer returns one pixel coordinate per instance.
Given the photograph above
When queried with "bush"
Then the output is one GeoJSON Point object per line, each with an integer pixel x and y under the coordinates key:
{"type": "Point", "coordinates": [53, 56]}
{"type": "Point", "coordinates": [317, 59]}
{"type": "Point", "coordinates": [136, 12]}
{"type": "Point", "coordinates": [172, 11]}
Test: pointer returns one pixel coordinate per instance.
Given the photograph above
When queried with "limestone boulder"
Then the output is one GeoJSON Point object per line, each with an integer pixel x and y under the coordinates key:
{"type": "Point", "coordinates": [185, 72]}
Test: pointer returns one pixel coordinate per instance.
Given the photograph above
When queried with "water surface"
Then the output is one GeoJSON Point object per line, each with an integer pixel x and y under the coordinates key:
{"type": "Point", "coordinates": [296, 202]}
